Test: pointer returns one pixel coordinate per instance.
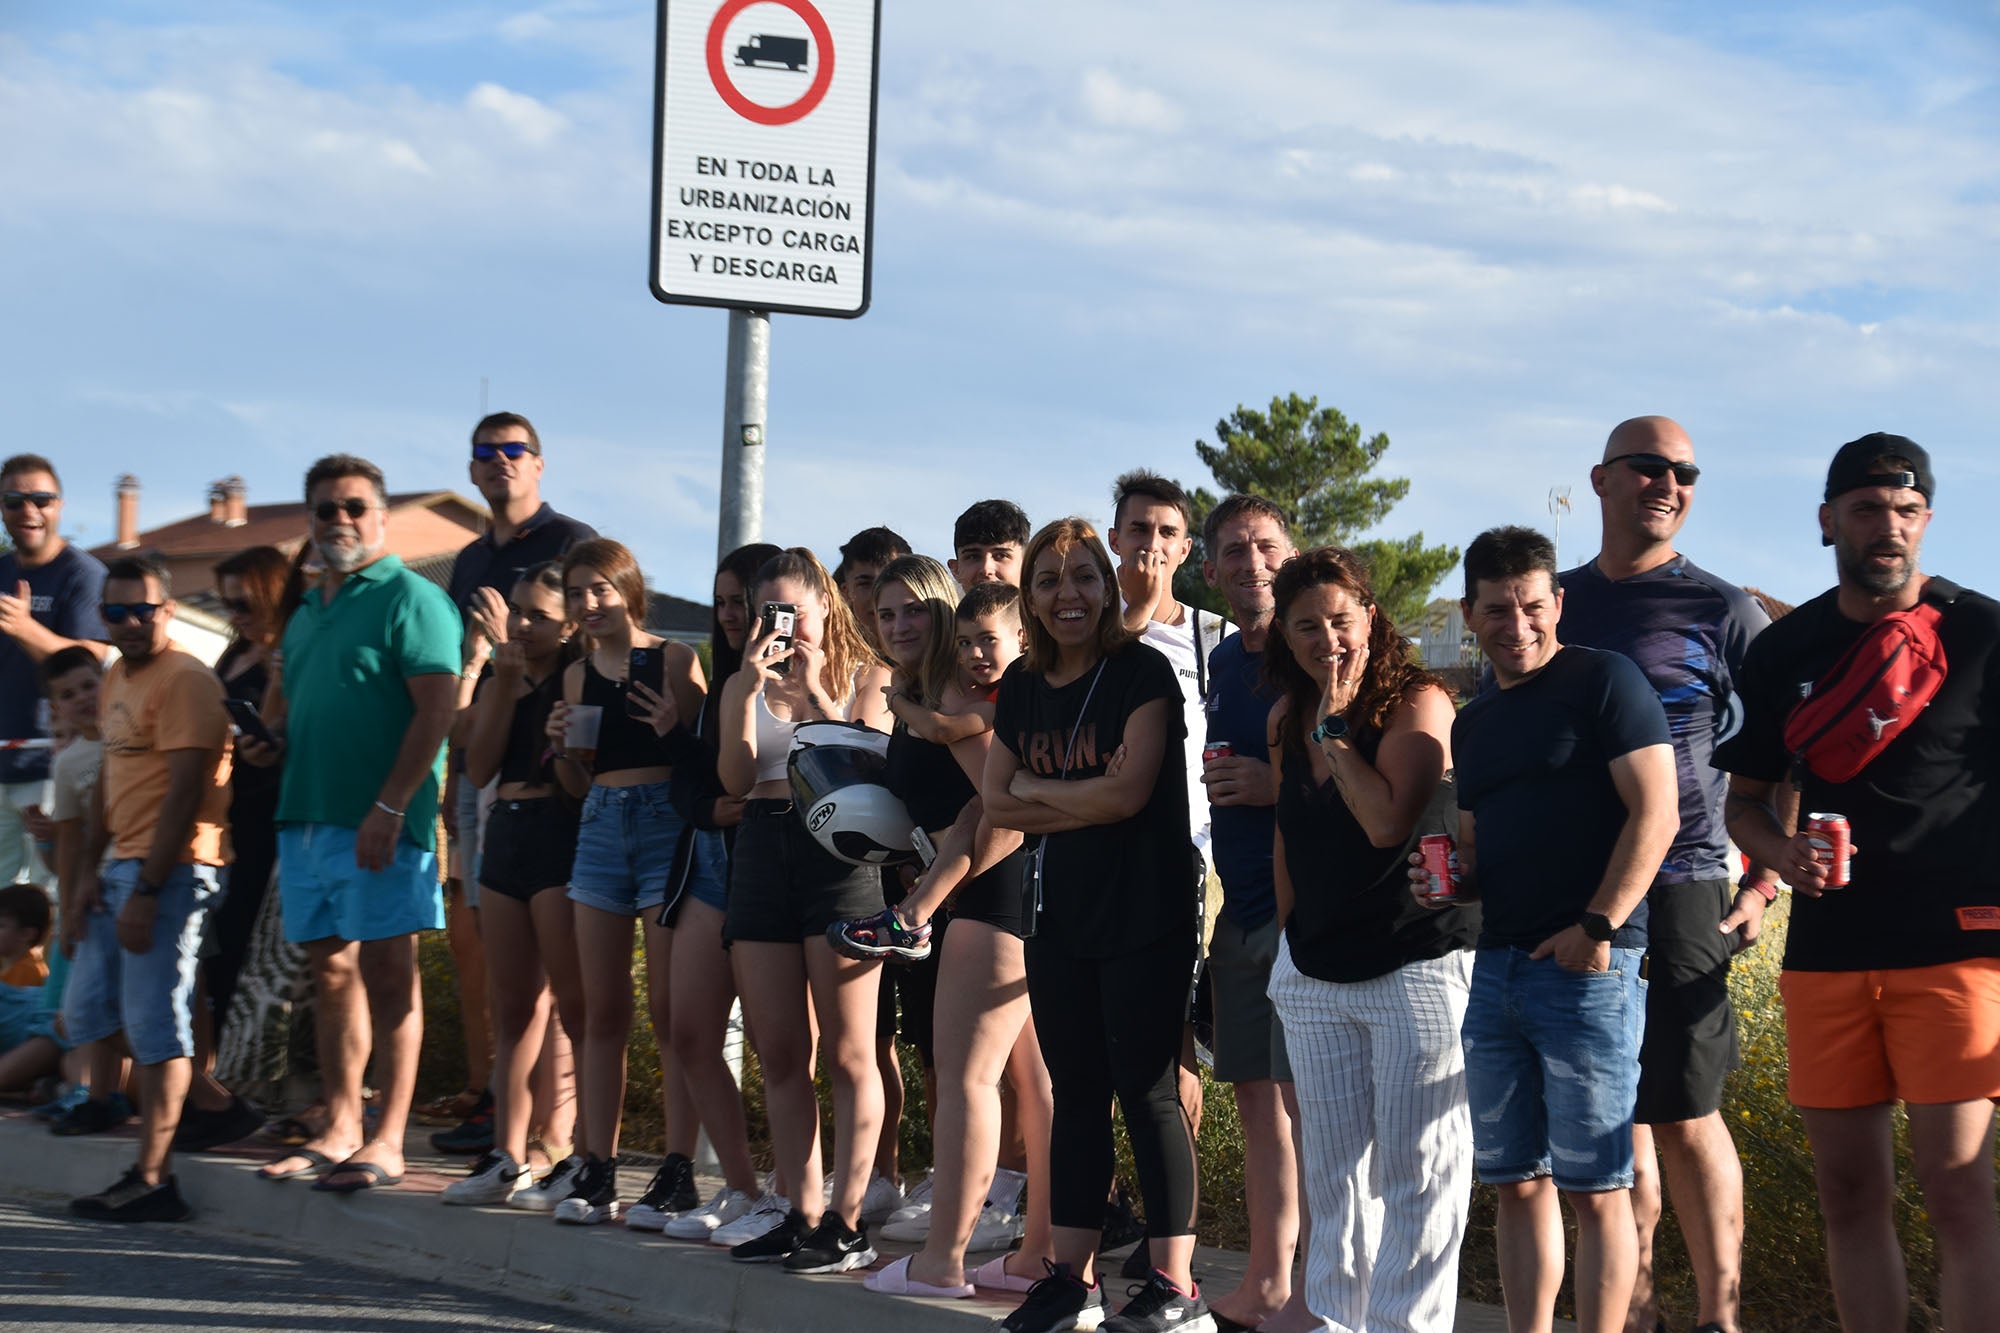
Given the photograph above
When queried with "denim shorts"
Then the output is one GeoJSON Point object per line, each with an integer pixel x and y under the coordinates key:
{"type": "Point", "coordinates": [625, 849]}
{"type": "Point", "coordinates": [323, 894]}
{"type": "Point", "coordinates": [1552, 1069]}
{"type": "Point", "coordinates": [466, 843]}
{"type": "Point", "coordinates": [149, 995]}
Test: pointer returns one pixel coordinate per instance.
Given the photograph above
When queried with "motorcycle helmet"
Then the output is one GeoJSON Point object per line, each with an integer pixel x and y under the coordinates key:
{"type": "Point", "coordinates": [839, 783]}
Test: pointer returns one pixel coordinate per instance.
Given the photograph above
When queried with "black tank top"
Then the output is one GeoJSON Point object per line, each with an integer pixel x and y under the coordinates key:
{"type": "Point", "coordinates": [623, 741]}
{"type": "Point", "coordinates": [930, 783]}
{"type": "Point", "coordinates": [528, 756]}
{"type": "Point", "coordinates": [1353, 917]}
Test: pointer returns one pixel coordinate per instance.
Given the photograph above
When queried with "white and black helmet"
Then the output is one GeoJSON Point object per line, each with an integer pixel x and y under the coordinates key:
{"type": "Point", "coordinates": [839, 774]}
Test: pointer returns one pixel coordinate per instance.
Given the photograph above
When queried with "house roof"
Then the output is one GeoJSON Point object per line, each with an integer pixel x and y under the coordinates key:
{"type": "Point", "coordinates": [282, 525]}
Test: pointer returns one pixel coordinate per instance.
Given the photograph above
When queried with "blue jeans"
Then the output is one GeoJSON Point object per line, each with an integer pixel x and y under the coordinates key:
{"type": "Point", "coordinates": [150, 995]}
{"type": "Point", "coordinates": [1552, 1069]}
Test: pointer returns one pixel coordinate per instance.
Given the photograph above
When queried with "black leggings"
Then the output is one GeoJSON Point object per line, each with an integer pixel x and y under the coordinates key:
{"type": "Point", "coordinates": [1113, 1025]}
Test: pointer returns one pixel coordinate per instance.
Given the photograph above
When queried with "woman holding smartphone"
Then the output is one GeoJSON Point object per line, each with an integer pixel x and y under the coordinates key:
{"type": "Point", "coordinates": [1089, 729]}
{"type": "Point", "coordinates": [784, 891]}
{"type": "Point", "coordinates": [1369, 985]}
{"type": "Point", "coordinates": [624, 856]}
{"type": "Point", "coordinates": [526, 924]}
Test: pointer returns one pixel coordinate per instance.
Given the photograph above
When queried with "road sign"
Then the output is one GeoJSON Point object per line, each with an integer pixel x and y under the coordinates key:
{"type": "Point", "coordinates": [764, 154]}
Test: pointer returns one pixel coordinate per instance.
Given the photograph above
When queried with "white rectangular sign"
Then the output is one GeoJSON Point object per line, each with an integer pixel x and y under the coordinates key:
{"type": "Point", "coordinates": [764, 154]}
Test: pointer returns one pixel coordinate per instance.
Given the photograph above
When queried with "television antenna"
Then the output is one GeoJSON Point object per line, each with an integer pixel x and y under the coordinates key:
{"type": "Point", "coordinates": [1558, 506]}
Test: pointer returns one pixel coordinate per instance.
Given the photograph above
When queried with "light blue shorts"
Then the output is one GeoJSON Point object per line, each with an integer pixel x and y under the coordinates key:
{"type": "Point", "coordinates": [323, 894]}
{"type": "Point", "coordinates": [149, 995]}
{"type": "Point", "coordinates": [24, 1016]}
{"type": "Point", "coordinates": [1552, 1069]}
{"type": "Point", "coordinates": [625, 851]}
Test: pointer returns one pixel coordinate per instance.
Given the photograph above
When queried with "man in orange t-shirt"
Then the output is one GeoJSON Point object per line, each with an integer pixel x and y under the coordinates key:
{"type": "Point", "coordinates": [163, 794]}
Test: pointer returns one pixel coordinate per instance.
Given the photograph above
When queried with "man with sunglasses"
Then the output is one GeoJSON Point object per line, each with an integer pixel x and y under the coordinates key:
{"type": "Point", "coordinates": [162, 812]}
{"type": "Point", "coordinates": [49, 592]}
{"type": "Point", "coordinates": [1688, 631]}
{"type": "Point", "coordinates": [364, 702]}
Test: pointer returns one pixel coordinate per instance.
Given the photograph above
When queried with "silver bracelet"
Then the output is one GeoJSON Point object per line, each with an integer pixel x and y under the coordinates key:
{"type": "Point", "coordinates": [387, 809]}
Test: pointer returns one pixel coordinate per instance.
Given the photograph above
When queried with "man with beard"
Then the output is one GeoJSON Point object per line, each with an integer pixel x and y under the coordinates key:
{"type": "Point", "coordinates": [366, 697]}
{"type": "Point", "coordinates": [1891, 981]}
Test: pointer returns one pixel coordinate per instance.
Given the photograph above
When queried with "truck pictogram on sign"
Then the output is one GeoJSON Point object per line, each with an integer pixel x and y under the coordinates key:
{"type": "Point", "coordinates": [765, 49]}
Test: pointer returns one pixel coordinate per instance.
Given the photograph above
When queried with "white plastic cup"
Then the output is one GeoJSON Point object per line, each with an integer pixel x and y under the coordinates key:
{"type": "Point", "coordinates": [581, 725]}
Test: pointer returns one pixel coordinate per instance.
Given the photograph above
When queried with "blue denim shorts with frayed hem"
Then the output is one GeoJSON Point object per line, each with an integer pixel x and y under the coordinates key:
{"type": "Point", "coordinates": [149, 995]}
{"type": "Point", "coordinates": [1552, 1069]}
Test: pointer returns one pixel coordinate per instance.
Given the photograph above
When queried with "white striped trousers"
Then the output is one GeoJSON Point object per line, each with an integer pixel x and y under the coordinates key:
{"type": "Point", "coordinates": [1387, 1138]}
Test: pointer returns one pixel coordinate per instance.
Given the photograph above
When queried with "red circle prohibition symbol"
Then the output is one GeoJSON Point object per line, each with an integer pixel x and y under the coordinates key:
{"type": "Point", "coordinates": [718, 71]}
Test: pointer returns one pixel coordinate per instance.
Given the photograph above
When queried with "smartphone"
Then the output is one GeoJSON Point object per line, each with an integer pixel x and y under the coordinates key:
{"type": "Point", "coordinates": [244, 714]}
{"type": "Point", "coordinates": [647, 666]}
{"type": "Point", "coordinates": [781, 618]}
{"type": "Point", "coordinates": [926, 849]}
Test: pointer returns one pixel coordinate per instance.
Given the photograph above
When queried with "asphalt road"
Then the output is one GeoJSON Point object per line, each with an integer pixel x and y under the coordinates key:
{"type": "Point", "coordinates": [57, 1272]}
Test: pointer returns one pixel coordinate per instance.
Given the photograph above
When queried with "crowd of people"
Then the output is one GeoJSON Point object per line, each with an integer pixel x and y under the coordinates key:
{"type": "Point", "coordinates": [1483, 937]}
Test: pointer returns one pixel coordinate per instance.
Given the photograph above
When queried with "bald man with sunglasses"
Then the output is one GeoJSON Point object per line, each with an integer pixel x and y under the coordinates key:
{"type": "Point", "coordinates": [1688, 631]}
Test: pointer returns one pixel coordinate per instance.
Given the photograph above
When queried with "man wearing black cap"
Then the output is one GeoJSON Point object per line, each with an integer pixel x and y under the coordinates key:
{"type": "Point", "coordinates": [1892, 980]}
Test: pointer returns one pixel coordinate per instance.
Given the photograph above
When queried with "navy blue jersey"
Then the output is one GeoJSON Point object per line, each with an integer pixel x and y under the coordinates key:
{"type": "Point", "coordinates": [1688, 631]}
{"type": "Point", "coordinates": [1237, 710]}
{"type": "Point", "coordinates": [63, 596]}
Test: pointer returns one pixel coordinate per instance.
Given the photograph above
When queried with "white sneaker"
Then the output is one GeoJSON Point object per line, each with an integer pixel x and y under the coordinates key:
{"type": "Point", "coordinates": [883, 1198]}
{"type": "Point", "coordinates": [911, 1223]}
{"type": "Point", "coordinates": [727, 1206]}
{"type": "Point", "coordinates": [763, 1217]}
{"type": "Point", "coordinates": [495, 1178]}
{"type": "Point", "coordinates": [550, 1190]}
{"type": "Point", "coordinates": [1008, 1190]}
{"type": "Point", "coordinates": [996, 1229]}
{"type": "Point", "coordinates": [917, 1203]}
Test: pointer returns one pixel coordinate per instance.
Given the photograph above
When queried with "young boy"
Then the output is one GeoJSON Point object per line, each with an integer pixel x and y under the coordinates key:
{"type": "Point", "coordinates": [29, 1046]}
{"type": "Point", "coordinates": [988, 540]}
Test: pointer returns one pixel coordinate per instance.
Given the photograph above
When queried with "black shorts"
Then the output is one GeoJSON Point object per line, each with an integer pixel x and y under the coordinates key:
{"type": "Point", "coordinates": [995, 897]}
{"type": "Point", "coordinates": [784, 887]}
{"type": "Point", "coordinates": [909, 998]}
{"type": "Point", "coordinates": [1690, 1042]}
{"type": "Point", "coordinates": [530, 846]}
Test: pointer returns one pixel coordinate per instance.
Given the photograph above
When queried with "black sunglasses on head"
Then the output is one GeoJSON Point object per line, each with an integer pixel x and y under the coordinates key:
{"type": "Point", "coordinates": [39, 499]}
{"type": "Point", "coordinates": [1653, 466]}
{"type": "Point", "coordinates": [514, 449]}
{"type": "Point", "coordinates": [117, 613]}
{"type": "Point", "coordinates": [353, 506]}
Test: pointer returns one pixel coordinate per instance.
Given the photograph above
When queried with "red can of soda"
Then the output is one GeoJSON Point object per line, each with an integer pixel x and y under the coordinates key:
{"type": "Point", "coordinates": [1440, 855]}
{"type": "Point", "coordinates": [1215, 750]}
{"type": "Point", "coordinates": [1830, 840]}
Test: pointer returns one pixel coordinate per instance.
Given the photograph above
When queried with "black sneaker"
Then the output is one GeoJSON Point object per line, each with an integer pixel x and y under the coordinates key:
{"type": "Point", "coordinates": [1138, 1265]}
{"type": "Point", "coordinates": [201, 1131]}
{"type": "Point", "coordinates": [594, 1197]}
{"type": "Point", "coordinates": [92, 1117]}
{"type": "Point", "coordinates": [1158, 1306]}
{"type": "Point", "coordinates": [833, 1247]}
{"type": "Point", "coordinates": [471, 1136]}
{"type": "Point", "coordinates": [133, 1200]}
{"type": "Point", "coordinates": [671, 1194]}
{"type": "Point", "coordinates": [1056, 1304]}
{"type": "Point", "coordinates": [774, 1244]}
{"type": "Point", "coordinates": [1121, 1225]}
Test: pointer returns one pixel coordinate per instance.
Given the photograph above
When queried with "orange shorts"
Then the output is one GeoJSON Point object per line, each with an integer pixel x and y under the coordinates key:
{"type": "Point", "coordinates": [1929, 1035]}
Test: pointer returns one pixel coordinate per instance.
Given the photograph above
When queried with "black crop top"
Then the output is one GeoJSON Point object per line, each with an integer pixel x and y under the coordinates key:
{"type": "Point", "coordinates": [930, 783]}
{"type": "Point", "coordinates": [529, 754]}
{"type": "Point", "coordinates": [623, 741]}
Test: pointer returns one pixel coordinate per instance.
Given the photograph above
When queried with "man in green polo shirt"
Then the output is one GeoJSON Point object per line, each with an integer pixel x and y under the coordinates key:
{"type": "Point", "coordinates": [368, 686]}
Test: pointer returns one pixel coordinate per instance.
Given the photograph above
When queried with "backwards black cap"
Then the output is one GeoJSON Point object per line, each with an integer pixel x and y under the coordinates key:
{"type": "Point", "coordinates": [1860, 463]}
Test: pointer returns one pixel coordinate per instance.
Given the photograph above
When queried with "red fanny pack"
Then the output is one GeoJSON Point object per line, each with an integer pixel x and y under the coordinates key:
{"type": "Point", "coordinates": [1873, 694]}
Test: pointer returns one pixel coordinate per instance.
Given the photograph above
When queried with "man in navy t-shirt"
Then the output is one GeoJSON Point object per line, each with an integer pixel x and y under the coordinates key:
{"type": "Point", "coordinates": [1688, 632]}
{"type": "Point", "coordinates": [1567, 806]}
{"type": "Point", "coordinates": [49, 593]}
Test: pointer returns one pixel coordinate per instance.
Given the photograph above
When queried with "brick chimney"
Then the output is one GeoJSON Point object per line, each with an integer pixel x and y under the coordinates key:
{"type": "Point", "coordinates": [128, 512]}
{"type": "Point", "coordinates": [236, 506]}
{"type": "Point", "coordinates": [218, 503]}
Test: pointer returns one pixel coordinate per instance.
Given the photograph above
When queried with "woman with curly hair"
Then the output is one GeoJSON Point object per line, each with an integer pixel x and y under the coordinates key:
{"type": "Point", "coordinates": [1369, 984]}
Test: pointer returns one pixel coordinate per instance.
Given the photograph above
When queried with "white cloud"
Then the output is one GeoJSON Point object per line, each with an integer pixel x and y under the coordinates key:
{"type": "Point", "coordinates": [1115, 104]}
{"type": "Point", "coordinates": [532, 122]}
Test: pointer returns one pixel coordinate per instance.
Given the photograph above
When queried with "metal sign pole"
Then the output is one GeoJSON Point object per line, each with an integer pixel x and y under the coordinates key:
{"type": "Point", "coordinates": [749, 378]}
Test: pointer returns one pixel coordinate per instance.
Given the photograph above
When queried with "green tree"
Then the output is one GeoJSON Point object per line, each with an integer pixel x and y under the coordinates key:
{"type": "Point", "coordinates": [1313, 463]}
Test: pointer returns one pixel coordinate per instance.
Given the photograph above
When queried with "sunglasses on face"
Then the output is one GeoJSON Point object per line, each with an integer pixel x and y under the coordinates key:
{"type": "Point", "coordinates": [39, 499]}
{"type": "Point", "coordinates": [117, 613]}
{"type": "Point", "coordinates": [1652, 467]}
{"type": "Point", "coordinates": [353, 506]}
{"type": "Point", "coordinates": [514, 449]}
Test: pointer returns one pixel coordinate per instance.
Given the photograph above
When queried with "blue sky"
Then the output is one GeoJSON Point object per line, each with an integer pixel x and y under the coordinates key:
{"type": "Point", "coordinates": [237, 236]}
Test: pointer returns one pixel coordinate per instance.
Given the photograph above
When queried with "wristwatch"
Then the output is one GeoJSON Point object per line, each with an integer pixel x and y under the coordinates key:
{"type": "Point", "coordinates": [1598, 927]}
{"type": "Point", "coordinates": [1332, 727]}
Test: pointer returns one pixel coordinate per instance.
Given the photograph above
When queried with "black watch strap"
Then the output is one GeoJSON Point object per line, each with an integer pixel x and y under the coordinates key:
{"type": "Point", "coordinates": [1598, 926]}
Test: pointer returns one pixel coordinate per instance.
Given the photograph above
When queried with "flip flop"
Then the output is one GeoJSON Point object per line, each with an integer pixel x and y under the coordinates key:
{"type": "Point", "coordinates": [316, 1162]}
{"type": "Point", "coordinates": [895, 1280]}
{"type": "Point", "coordinates": [377, 1175]}
{"type": "Point", "coordinates": [993, 1275]}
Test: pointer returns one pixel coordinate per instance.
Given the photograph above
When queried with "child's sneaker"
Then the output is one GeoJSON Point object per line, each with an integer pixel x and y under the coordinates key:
{"type": "Point", "coordinates": [880, 936]}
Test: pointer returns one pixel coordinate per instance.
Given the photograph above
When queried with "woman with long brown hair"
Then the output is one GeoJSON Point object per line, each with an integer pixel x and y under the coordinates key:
{"type": "Point", "coordinates": [1369, 985]}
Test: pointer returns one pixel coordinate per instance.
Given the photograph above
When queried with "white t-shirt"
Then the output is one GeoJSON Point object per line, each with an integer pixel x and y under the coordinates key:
{"type": "Point", "coordinates": [1177, 642]}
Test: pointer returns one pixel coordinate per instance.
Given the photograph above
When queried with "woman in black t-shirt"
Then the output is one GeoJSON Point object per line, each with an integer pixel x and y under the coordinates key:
{"type": "Point", "coordinates": [1087, 764]}
{"type": "Point", "coordinates": [1369, 986]}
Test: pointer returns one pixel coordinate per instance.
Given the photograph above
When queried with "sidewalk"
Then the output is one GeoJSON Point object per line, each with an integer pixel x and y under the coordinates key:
{"type": "Point", "coordinates": [604, 1269]}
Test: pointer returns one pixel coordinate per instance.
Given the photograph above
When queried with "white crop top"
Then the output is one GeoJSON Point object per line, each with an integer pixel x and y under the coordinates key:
{"type": "Point", "coordinates": [774, 743]}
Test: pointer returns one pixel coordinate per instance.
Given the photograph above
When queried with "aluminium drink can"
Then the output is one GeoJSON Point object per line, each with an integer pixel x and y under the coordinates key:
{"type": "Point", "coordinates": [1831, 841]}
{"type": "Point", "coordinates": [1441, 864]}
{"type": "Point", "coordinates": [1214, 750]}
